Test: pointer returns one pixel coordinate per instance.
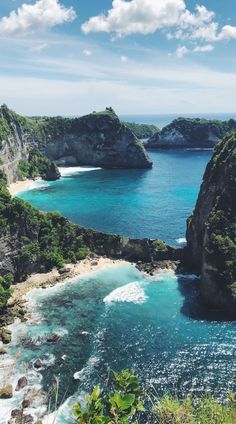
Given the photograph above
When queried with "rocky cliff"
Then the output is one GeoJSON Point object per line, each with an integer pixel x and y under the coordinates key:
{"type": "Point", "coordinates": [190, 133]}
{"type": "Point", "coordinates": [211, 231]}
{"type": "Point", "coordinates": [18, 158]}
{"type": "Point", "coordinates": [98, 139]}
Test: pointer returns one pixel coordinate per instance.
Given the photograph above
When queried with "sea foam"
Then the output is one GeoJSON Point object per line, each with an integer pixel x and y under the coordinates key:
{"type": "Point", "coordinates": [75, 170]}
{"type": "Point", "coordinates": [131, 293]}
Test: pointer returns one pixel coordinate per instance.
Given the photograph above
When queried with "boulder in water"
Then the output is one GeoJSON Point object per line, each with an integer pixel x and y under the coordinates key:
{"type": "Point", "coordinates": [21, 384]}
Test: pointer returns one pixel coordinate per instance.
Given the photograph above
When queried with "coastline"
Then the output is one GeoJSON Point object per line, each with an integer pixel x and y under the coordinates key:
{"type": "Point", "coordinates": [53, 277]}
{"type": "Point", "coordinates": [20, 309]}
{"type": "Point", "coordinates": [19, 186]}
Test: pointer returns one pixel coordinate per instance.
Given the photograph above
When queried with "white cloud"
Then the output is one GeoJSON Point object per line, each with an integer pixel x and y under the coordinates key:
{"type": "Point", "coordinates": [146, 16]}
{"type": "Point", "coordinates": [171, 16]}
{"type": "Point", "coordinates": [87, 52]}
{"type": "Point", "coordinates": [124, 59]}
{"type": "Point", "coordinates": [181, 51]}
{"type": "Point", "coordinates": [30, 18]}
{"type": "Point", "coordinates": [204, 49]}
{"type": "Point", "coordinates": [228, 32]}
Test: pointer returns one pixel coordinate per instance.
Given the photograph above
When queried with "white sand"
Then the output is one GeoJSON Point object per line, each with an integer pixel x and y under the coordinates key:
{"type": "Point", "coordinates": [19, 186]}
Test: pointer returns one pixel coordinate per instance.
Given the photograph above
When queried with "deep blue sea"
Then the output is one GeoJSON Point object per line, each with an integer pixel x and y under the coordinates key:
{"type": "Point", "coordinates": [117, 317]}
{"type": "Point", "coordinates": [137, 203]}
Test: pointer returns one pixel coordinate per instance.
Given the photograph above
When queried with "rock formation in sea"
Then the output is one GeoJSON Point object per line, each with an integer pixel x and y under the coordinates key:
{"type": "Point", "coordinates": [98, 139]}
{"type": "Point", "coordinates": [29, 147]}
{"type": "Point", "coordinates": [190, 133]}
{"type": "Point", "coordinates": [211, 230]}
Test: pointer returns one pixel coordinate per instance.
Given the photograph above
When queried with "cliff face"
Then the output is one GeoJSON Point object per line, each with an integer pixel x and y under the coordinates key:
{"type": "Point", "coordinates": [98, 139]}
{"type": "Point", "coordinates": [190, 133]}
{"type": "Point", "coordinates": [18, 157]}
{"type": "Point", "coordinates": [211, 231]}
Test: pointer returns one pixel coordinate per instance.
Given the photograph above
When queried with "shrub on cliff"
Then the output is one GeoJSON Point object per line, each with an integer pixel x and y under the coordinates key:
{"type": "Point", "coordinates": [5, 289]}
{"type": "Point", "coordinates": [125, 402]}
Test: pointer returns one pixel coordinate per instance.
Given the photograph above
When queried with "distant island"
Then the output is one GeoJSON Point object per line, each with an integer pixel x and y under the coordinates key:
{"type": "Point", "coordinates": [185, 133]}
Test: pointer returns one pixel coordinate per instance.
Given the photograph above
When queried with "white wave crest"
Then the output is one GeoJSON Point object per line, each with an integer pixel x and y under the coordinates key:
{"type": "Point", "coordinates": [75, 170]}
{"type": "Point", "coordinates": [181, 240]}
{"type": "Point", "coordinates": [131, 293]}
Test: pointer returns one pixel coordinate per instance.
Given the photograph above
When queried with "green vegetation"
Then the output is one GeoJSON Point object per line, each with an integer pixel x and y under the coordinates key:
{"type": "Point", "coordinates": [44, 240]}
{"type": "Point", "coordinates": [36, 165]}
{"type": "Point", "coordinates": [186, 125]}
{"type": "Point", "coordinates": [5, 289]}
{"type": "Point", "coordinates": [160, 245]}
{"type": "Point", "coordinates": [221, 224]}
{"type": "Point", "coordinates": [121, 404]}
{"type": "Point", "coordinates": [125, 402]}
{"type": "Point", "coordinates": [141, 130]}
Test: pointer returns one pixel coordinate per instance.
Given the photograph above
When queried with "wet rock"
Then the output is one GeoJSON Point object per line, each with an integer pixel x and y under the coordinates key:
{"type": "Point", "coordinates": [64, 270]}
{"type": "Point", "coordinates": [2, 351]}
{"type": "Point", "coordinates": [94, 263]}
{"type": "Point", "coordinates": [6, 392]}
{"type": "Point", "coordinates": [22, 383]}
{"type": "Point", "coordinates": [38, 364]}
{"type": "Point", "coordinates": [25, 403]}
{"type": "Point", "coordinates": [6, 335]}
{"type": "Point", "coordinates": [53, 338]}
{"type": "Point", "coordinates": [16, 413]}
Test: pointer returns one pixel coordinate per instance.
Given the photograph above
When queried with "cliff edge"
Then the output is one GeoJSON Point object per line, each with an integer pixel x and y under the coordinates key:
{"type": "Point", "coordinates": [190, 133]}
{"type": "Point", "coordinates": [211, 230]}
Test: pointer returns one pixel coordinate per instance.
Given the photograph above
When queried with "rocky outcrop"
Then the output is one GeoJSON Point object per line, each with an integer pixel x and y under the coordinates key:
{"type": "Point", "coordinates": [98, 139]}
{"type": "Point", "coordinates": [190, 133]}
{"type": "Point", "coordinates": [19, 159]}
{"type": "Point", "coordinates": [211, 234]}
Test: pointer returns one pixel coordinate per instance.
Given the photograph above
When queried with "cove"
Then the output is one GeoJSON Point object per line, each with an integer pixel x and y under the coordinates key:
{"type": "Point", "coordinates": [135, 203]}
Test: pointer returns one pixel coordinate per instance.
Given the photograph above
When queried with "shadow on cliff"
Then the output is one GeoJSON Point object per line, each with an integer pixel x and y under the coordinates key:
{"type": "Point", "coordinates": [193, 306]}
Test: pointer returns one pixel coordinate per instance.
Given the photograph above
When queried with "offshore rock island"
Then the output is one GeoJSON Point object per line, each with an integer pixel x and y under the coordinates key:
{"type": "Point", "coordinates": [190, 133]}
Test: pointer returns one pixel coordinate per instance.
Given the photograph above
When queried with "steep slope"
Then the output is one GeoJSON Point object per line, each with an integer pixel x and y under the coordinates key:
{"type": "Point", "coordinates": [18, 156]}
{"type": "Point", "coordinates": [211, 231]}
{"type": "Point", "coordinates": [190, 133]}
{"type": "Point", "coordinates": [98, 139]}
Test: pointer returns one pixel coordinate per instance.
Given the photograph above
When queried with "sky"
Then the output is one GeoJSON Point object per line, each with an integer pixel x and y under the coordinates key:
{"type": "Point", "coordinates": [71, 57]}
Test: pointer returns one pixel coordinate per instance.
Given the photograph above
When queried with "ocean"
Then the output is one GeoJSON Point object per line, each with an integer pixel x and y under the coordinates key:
{"type": "Point", "coordinates": [117, 317]}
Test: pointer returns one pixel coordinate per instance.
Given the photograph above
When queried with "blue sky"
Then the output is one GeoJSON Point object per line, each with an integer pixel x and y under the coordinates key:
{"type": "Point", "coordinates": [70, 57]}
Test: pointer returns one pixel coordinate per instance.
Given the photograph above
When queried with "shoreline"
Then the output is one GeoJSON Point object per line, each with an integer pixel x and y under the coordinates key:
{"type": "Point", "coordinates": [19, 186]}
{"type": "Point", "coordinates": [20, 308]}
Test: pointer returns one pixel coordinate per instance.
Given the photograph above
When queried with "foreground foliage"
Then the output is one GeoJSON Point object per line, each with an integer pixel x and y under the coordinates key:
{"type": "Point", "coordinates": [124, 403]}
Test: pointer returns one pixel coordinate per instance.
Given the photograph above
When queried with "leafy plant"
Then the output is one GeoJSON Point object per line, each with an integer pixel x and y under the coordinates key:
{"type": "Point", "coordinates": [122, 404]}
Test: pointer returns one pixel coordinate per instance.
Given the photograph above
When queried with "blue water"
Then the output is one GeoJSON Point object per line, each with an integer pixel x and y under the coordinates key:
{"type": "Point", "coordinates": [155, 325]}
{"type": "Point", "coordinates": [161, 120]}
{"type": "Point", "coordinates": [118, 318]}
{"type": "Point", "coordinates": [137, 203]}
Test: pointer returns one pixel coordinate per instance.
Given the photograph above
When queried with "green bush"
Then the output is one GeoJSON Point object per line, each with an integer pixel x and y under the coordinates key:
{"type": "Point", "coordinates": [121, 404]}
{"type": "Point", "coordinates": [5, 289]}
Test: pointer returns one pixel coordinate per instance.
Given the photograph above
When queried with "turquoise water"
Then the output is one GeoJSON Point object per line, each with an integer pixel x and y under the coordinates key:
{"type": "Point", "coordinates": [137, 203]}
{"type": "Point", "coordinates": [118, 318]}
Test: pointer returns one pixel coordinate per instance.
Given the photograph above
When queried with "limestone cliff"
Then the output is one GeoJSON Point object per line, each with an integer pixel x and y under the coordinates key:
{"type": "Point", "coordinates": [211, 232]}
{"type": "Point", "coordinates": [18, 158]}
{"type": "Point", "coordinates": [98, 139]}
{"type": "Point", "coordinates": [190, 133]}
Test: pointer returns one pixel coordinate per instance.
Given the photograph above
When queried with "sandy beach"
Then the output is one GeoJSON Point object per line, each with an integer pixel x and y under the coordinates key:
{"type": "Point", "coordinates": [53, 277]}
{"type": "Point", "coordinates": [19, 186]}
